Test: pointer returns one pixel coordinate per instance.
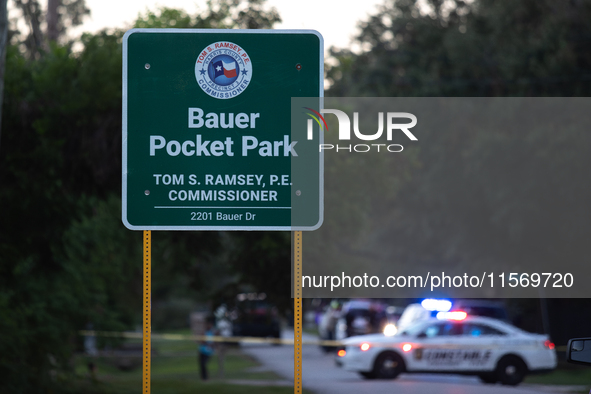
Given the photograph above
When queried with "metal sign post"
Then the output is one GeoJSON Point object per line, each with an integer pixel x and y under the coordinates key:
{"type": "Point", "coordinates": [297, 312]}
{"type": "Point", "coordinates": [208, 142]}
{"type": "Point", "coordinates": [147, 316]}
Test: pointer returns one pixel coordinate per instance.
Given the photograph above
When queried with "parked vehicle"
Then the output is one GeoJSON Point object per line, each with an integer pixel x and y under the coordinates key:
{"type": "Point", "coordinates": [451, 343]}
{"type": "Point", "coordinates": [254, 316]}
{"type": "Point", "coordinates": [360, 317]}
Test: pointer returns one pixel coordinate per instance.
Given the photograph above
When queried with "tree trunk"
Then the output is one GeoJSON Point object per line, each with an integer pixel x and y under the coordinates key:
{"type": "Point", "coordinates": [52, 20]}
{"type": "Point", "coordinates": [3, 44]}
{"type": "Point", "coordinates": [32, 14]}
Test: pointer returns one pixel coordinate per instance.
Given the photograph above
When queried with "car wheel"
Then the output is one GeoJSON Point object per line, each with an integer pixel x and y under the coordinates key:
{"type": "Point", "coordinates": [328, 349]}
{"type": "Point", "coordinates": [367, 375]}
{"type": "Point", "coordinates": [488, 378]}
{"type": "Point", "coordinates": [388, 365]}
{"type": "Point", "coordinates": [511, 370]}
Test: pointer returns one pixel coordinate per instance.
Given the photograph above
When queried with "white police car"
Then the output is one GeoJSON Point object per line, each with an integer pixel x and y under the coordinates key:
{"type": "Point", "coordinates": [451, 343]}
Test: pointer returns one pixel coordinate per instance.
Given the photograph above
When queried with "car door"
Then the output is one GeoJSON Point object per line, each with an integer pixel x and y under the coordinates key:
{"type": "Point", "coordinates": [435, 348]}
{"type": "Point", "coordinates": [482, 344]}
{"type": "Point", "coordinates": [456, 347]}
{"type": "Point", "coordinates": [478, 347]}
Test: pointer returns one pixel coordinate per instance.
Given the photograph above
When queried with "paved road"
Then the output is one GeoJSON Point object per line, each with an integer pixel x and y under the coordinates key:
{"type": "Point", "coordinates": [322, 376]}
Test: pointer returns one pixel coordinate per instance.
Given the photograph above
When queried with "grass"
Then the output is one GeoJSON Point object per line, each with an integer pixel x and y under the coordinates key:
{"type": "Point", "coordinates": [566, 374]}
{"type": "Point", "coordinates": [311, 331]}
{"type": "Point", "coordinates": [175, 371]}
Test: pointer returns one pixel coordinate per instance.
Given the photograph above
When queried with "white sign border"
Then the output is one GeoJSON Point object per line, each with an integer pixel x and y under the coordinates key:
{"type": "Point", "coordinates": [125, 146]}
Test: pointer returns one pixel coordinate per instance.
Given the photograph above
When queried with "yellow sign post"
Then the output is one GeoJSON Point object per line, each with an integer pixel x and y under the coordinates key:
{"type": "Point", "coordinates": [297, 313]}
{"type": "Point", "coordinates": [147, 310]}
{"type": "Point", "coordinates": [297, 306]}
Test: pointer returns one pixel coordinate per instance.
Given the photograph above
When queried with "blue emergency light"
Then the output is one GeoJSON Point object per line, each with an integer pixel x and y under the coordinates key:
{"type": "Point", "coordinates": [433, 304]}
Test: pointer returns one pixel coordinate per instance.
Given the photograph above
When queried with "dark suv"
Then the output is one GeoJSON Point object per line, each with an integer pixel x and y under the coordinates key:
{"type": "Point", "coordinates": [255, 318]}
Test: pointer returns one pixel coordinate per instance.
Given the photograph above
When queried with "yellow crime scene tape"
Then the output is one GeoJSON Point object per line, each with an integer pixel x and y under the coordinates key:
{"type": "Point", "coordinates": [256, 340]}
{"type": "Point", "coordinates": [199, 338]}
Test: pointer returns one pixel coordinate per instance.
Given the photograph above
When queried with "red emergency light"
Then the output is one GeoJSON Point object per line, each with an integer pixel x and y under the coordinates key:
{"type": "Point", "coordinates": [549, 344]}
{"type": "Point", "coordinates": [453, 315]}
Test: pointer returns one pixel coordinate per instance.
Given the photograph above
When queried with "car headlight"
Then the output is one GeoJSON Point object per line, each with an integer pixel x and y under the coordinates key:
{"type": "Point", "coordinates": [390, 330]}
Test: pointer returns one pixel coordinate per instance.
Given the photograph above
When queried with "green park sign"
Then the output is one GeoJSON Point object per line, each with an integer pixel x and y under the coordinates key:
{"type": "Point", "coordinates": [209, 141]}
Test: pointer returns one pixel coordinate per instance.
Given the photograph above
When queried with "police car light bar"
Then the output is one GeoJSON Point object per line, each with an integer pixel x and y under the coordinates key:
{"type": "Point", "coordinates": [432, 304]}
{"type": "Point", "coordinates": [455, 315]}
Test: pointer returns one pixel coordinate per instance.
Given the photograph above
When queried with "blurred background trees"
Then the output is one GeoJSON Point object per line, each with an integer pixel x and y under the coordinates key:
{"type": "Point", "coordinates": [67, 261]}
{"type": "Point", "coordinates": [462, 49]}
{"type": "Point", "coordinates": [46, 23]}
{"type": "Point", "coordinates": [478, 197]}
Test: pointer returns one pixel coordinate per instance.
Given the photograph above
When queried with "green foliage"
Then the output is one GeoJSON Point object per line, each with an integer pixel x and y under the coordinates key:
{"type": "Point", "coordinates": [49, 121]}
{"type": "Point", "coordinates": [105, 259]}
{"type": "Point", "coordinates": [480, 48]}
{"type": "Point", "coordinates": [65, 258]}
{"type": "Point", "coordinates": [225, 14]}
{"type": "Point", "coordinates": [480, 196]}
{"type": "Point", "coordinates": [263, 261]}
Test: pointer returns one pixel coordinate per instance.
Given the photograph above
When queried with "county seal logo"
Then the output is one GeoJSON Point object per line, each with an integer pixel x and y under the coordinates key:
{"type": "Point", "coordinates": [223, 70]}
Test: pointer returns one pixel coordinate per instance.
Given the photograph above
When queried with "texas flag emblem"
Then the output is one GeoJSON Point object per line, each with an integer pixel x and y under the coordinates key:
{"type": "Point", "coordinates": [226, 69]}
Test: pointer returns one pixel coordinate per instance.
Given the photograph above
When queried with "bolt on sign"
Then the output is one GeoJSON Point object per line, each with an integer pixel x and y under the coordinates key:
{"type": "Point", "coordinates": [207, 133]}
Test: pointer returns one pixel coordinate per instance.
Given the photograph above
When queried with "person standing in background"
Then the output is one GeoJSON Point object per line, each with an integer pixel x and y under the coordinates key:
{"type": "Point", "coordinates": [224, 328]}
{"type": "Point", "coordinates": [206, 350]}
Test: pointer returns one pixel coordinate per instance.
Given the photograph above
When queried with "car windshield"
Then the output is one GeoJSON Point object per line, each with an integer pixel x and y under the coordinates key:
{"type": "Point", "coordinates": [414, 329]}
{"type": "Point", "coordinates": [486, 311]}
